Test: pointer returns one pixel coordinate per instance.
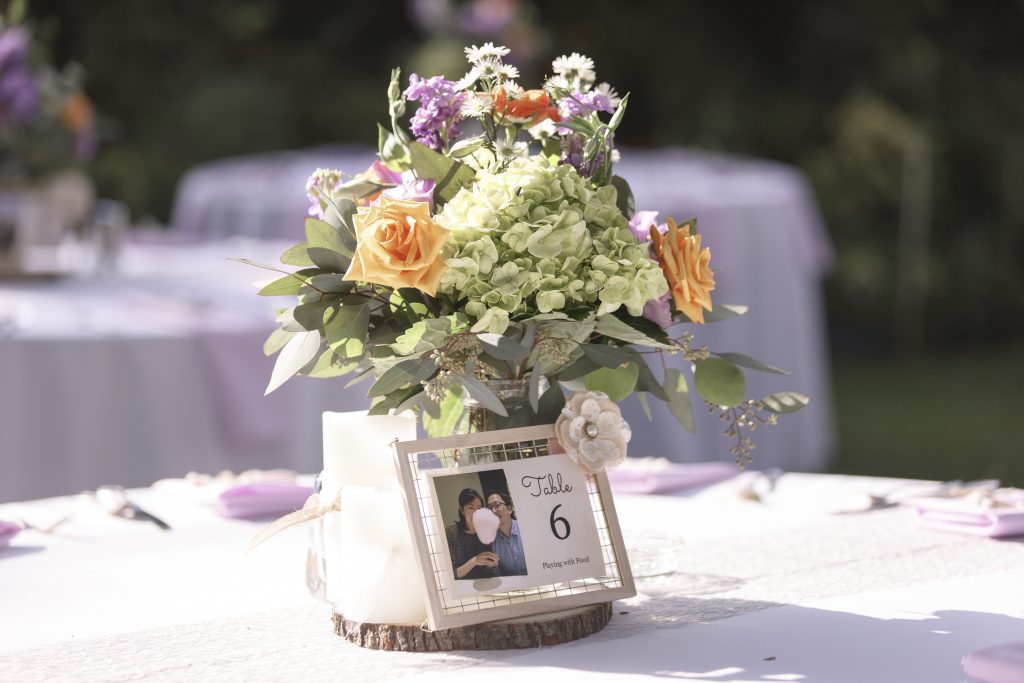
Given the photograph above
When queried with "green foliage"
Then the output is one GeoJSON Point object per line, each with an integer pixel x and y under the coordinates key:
{"type": "Point", "coordinates": [719, 382]}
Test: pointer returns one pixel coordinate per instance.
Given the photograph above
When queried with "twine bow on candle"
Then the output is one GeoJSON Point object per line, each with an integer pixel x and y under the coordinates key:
{"type": "Point", "coordinates": [311, 509]}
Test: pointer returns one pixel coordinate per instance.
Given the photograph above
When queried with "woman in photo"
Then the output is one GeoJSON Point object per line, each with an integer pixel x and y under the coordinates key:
{"type": "Point", "coordinates": [471, 559]}
{"type": "Point", "coordinates": [508, 545]}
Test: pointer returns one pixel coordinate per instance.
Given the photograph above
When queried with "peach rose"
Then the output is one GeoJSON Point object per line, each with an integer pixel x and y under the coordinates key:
{"type": "Point", "coordinates": [398, 245]}
{"type": "Point", "coordinates": [686, 268]}
{"type": "Point", "coordinates": [531, 106]}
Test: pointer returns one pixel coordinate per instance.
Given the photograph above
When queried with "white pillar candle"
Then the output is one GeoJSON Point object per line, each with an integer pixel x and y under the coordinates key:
{"type": "Point", "coordinates": [371, 569]}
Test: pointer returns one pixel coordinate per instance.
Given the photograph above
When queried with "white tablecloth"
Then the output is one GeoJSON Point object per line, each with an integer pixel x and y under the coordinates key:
{"type": "Point", "coordinates": [156, 371]}
{"type": "Point", "coordinates": [729, 590]}
{"type": "Point", "coordinates": [769, 249]}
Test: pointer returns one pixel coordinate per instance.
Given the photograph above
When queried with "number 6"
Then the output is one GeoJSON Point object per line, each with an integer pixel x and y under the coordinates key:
{"type": "Point", "coordinates": [563, 520]}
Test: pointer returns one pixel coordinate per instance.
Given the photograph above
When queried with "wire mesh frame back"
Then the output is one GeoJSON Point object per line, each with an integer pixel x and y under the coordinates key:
{"type": "Point", "coordinates": [414, 458]}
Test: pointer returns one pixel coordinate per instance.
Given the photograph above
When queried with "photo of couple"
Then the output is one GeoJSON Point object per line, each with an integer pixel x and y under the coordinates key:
{"type": "Point", "coordinates": [484, 541]}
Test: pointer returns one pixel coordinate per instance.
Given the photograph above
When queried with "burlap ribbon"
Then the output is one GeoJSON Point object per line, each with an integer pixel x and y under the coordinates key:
{"type": "Point", "coordinates": [311, 509]}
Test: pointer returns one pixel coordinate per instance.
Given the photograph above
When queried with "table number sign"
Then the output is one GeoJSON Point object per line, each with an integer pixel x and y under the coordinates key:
{"type": "Point", "coordinates": [566, 549]}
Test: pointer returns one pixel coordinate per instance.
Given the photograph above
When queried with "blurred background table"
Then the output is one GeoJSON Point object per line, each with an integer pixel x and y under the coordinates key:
{"type": "Point", "coordinates": [728, 590]}
{"type": "Point", "coordinates": [760, 219]}
{"type": "Point", "coordinates": [149, 373]}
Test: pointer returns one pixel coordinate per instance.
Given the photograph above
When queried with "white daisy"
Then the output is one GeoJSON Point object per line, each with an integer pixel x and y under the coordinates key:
{"type": "Point", "coordinates": [575, 67]}
{"type": "Point", "coordinates": [492, 68]}
{"type": "Point", "coordinates": [509, 149]}
{"type": "Point", "coordinates": [476, 106]}
{"type": "Point", "coordinates": [609, 92]}
{"type": "Point", "coordinates": [477, 54]}
{"type": "Point", "coordinates": [557, 83]}
{"type": "Point", "coordinates": [543, 130]}
{"type": "Point", "coordinates": [471, 77]}
{"type": "Point", "coordinates": [512, 88]}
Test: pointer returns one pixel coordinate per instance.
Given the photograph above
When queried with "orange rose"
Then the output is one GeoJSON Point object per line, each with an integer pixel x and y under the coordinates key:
{"type": "Point", "coordinates": [398, 245]}
{"type": "Point", "coordinates": [531, 106]}
{"type": "Point", "coordinates": [686, 268]}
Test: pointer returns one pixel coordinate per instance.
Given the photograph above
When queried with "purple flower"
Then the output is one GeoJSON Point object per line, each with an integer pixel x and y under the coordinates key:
{"type": "Point", "coordinates": [435, 122]}
{"type": "Point", "coordinates": [581, 104]}
{"type": "Point", "coordinates": [325, 180]}
{"type": "Point", "coordinates": [658, 312]}
{"type": "Point", "coordinates": [385, 174]}
{"type": "Point", "coordinates": [412, 189]}
{"type": "Point", "coordinates": [19, 89]}
{"type": "Point", "coordinates": [642, 222]}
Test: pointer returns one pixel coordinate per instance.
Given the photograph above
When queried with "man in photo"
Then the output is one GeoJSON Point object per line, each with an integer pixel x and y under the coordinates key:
{"type": "Point", "coordinates": [508, 545]}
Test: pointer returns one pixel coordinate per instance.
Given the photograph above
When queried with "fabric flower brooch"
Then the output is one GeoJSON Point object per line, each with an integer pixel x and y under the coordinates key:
{"type": "Point", "coordinates": [592, 431]}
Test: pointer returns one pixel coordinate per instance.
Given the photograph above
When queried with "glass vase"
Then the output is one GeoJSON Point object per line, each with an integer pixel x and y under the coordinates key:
{"type": "Point", "coordinates": [515, 397]}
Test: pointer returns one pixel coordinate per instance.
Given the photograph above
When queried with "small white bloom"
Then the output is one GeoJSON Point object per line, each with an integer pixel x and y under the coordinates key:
{"type": "Point", "coordinates": [609, 92]}
{"type": "Point", "coordinates": [592, 431]}
{"type": "Point", "coordinates": [471, 77]}
{"type": "Point", "coordinates": [509, 149]}
{"type": "Point", "coordinates": [556, 83]}
{"type": "Point", "coordinates": [512, 88]}
{"type": "Point", "coordinates": [476, 106]}
{"type": "Point", "coordinates": [543, 130]}
{"type": "Point", "coordinates": [616, 156]}
{"type": "Point", "coordinates": [494, 68]}
{"type": "Point", "coordinates": [477, 54]}
{"type": "Point", "coordinates": [575, 67]}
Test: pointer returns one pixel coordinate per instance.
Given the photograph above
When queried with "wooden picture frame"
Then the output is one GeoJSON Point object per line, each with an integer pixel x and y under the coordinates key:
{"type": "Point", "coordinates": [423, 464]}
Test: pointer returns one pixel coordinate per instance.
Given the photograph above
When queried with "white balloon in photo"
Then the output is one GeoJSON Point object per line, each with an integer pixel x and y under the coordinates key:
{"type": "Point", "coordinates": [486, 524]}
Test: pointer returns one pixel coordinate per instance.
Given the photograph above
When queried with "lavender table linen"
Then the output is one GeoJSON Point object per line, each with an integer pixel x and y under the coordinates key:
{"type": "Point", "coordinates": [659, 475]}
{"type": "Point", "coordinates": [967, 517]}
{"type": "Point", "coordinates": [264, 499]}
{"type": "Point", "coordinates": [8, 530]}
{"type": "Point", "coordinates": [997, 664]}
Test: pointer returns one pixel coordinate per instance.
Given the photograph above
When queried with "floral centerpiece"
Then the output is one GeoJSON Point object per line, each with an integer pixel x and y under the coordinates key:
{"type": "Point", "coordinates": [492, 241]}
{"type": "Point", "coordinates": [46, 121]}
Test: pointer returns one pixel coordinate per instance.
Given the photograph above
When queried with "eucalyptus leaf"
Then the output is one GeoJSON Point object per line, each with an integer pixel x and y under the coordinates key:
{"type": "Point", "coordinates": [311, 315]}
{"type": "Point", "coordinates": [287, 285]}
{"type": "Point", "coordinates": [382, 405]}
{"type": "Point", "coordinates": [296, 255]}
{"type": "Point", "coordinates": [449, 175]}
{"type": "Point", "coordinates": [678, 401]}
{"type": "Point", "coordinates": [719, 382]}
{"type": "Point", "coordinates": [578, 125]}
{"type": "Point", "coordinates": [331, 283]}
{"type": "Point", "coordinates": [323, 235]}
{"type": "Point", "coordinates": [624, 196]}
{"type": "Point", "coordinates": [297, 352]}
{"type": "Point", "coordinates": [577, 369]}
{"type": "Point", "coordinates": [328, 259]}
{"type": "Point", "coordinates": [416, 399]}
{"type": "Point", "coordinates": [604, 355]}
{"type": "Point", "coordinates": [286, 319]}
{"type": "Point", "coordinates": [440, 420]}
{"type": "Point", "coordinates": [785, 402]}
{"type": "Point", "coordinates": [364, 374]}
{"type": "Point", "coordinates": [747, 362]}
{"type": "Point", "coordinates": [502, 347]}
{"type": "Point", "coordinates": [721, 312]}
{"type": "Point", "coordinates": [610, 326]}
{"type": "Point", "coordinates": [464, 148]}
{"type": "Point", "coordinates": [482, 395]}
{"type": "Point", "coordinates": [407, 372]}
{"type": "Point", "coordinates": [347, 330]}
{"type": "Point", "coordinates": [645, 405]}
{"type": "Point", "coordinates": [619, 113]}
{"type": "Point", "coordinates": [646, 381]}
{"type": "Point", "coordinates": [329, 364]}
{"type": "Point", "coordinates": [391, 149]}
{"type": "Point", "coordinates": [534, 392]}
{"type": "Point", "coordinates": [550, 404]}
{"type": "Point", "coordinates": [618, 382]}
{"type": "Point", "coordinates": [276, 341]}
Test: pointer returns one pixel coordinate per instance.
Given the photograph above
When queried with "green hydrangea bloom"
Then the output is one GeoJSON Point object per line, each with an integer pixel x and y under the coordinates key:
{"type": "Point", "coordinates": [537, 238]}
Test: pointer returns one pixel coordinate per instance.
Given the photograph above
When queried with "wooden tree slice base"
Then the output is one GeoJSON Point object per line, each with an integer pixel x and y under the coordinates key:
{"type": "Point", "coordinates": [509, 634]}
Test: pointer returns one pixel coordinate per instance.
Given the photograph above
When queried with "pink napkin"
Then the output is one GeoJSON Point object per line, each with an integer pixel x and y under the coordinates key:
{"type": "Point", "coordinates": [658, 475]}
{"type": "Point", "coordinates": [997, 664]}
{"type": "Point", "coordinates": [966, 516]}
{"type": "Point", "coordinates": [262, 499]}
{"type": "Point", "coordinates": [8, 530]}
